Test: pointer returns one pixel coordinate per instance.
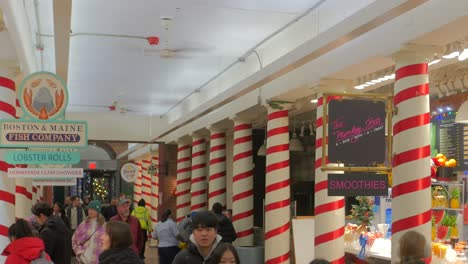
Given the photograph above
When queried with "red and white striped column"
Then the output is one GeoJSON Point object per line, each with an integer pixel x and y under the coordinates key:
{"type": "Point", "coordinates": [242, 183]}
{"type": "Point", "coordinates": [146, 181]}
{"type": "Point", "coordinates": [217, 174]}
{"type": "Point", "coordinates": [277, 188]}
{"type": "Point", "coordinates": [137, 185]}
{"type": "Point", "coordinates": [154, 203]}
{"type": "Point", "coordinates": [34, 194]}
{"type": "Point", "coordinates": [183, 180]}
{"type": "Point", "coordinates": [40, 193]}
{"type": "Point", "coordinates": [23, 196]}
{"type": "Point", "coordinates": [411, 190]}
{"type": "Point", "coordinates": [7, 185]}
{"type": "Point", "coordinates": [23, 189]}
{"type": "Point", "coordinates": [329, 210]}
{"type": "Point", "coordinates": [199, 189]}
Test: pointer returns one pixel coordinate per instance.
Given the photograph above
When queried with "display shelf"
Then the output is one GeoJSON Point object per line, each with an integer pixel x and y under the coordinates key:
{"type": "Point", "coordinates": [448, 209]}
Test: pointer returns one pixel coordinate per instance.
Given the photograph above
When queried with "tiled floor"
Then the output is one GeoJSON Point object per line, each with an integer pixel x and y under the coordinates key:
{"type": "Point", "coordinates": [151, 255]}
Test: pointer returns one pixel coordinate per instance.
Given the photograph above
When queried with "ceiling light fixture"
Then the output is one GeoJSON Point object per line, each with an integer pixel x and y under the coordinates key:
{"type": "Point", "coordinates": [463, 55]}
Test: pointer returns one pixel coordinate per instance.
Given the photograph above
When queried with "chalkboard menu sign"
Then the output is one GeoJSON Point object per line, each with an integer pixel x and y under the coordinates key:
{"type": "Point", "coordinates": [356, 132]}
{"type": "Point", "coordinates": [452, 139]}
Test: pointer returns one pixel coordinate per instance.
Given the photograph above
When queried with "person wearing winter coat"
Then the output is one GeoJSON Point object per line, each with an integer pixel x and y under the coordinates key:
{"type": "Point", "coordinates": [225, 227]}
{"type": "Point", "coordinates": [116, 243]}
{"type": "Point", "coordinates": [86, 240]}
{"type": "Point", "coordinates": [135, 229]}
{"type": "Point", "coordinates": [168, 235]}
{"type": "Point", "coordinates": [143, 216]}
{"type": "Point", "coordinates": [24, 247]}
{"type": "Point", "coordinates": [203, 241]}
{"type": "Point", "coordinates": [54, 233]}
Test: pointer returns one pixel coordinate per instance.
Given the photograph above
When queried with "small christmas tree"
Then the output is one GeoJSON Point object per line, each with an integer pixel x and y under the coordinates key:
{"type": "Point", "coordinates": [362, 212]}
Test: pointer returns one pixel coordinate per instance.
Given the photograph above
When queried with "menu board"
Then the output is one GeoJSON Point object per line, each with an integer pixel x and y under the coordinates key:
{"type": "Point", "coordinates": [452, 139]}
{"type": "Point", "coordinates": [356, 132]}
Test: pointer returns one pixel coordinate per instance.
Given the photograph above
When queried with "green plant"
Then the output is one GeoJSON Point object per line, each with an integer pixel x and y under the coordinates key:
{"type": "Point", "coordinates": [362, 212]}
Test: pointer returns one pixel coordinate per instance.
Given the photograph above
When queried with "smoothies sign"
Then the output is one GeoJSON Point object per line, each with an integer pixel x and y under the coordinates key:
{"type": "Point", "coordinates": [356, 132]}
{"type": "Point", "coordinates": [43, 98]}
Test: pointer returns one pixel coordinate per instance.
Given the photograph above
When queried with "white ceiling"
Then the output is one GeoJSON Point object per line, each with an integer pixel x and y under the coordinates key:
{"type": "Point", "coordinates": [210, 34]}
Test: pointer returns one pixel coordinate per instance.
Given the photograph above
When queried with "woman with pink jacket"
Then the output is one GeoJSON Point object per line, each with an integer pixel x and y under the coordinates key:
{"type": "Point", "coordinates": [86, 240]}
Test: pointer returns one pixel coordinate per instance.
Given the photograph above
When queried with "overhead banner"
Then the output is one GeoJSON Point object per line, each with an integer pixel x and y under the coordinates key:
{"type": "Point", "coordinates": [356, 132]}
{"type": "Point", "coordinates": [357, 184]}
{"type": "Point", "coordinates": [45, 173]}
{"type": "Point", "coordinates": [54, 182]}
{"type": "Point", "coordinates": [39, 157]}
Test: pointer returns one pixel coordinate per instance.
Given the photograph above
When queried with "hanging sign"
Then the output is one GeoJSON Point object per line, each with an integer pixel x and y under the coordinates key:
{"type": "Point", "coordinates": [38, 157]}
{"type": "Point", "coordinates": [54, 182]}
{"type": "Point", "coordinates": [356, 132]}
{"type": "Point", "coordinates": [357, 184]}
{"type": "Point", "coordinates": [129, 172]}
{"type": "Point", "coordinates": [52, 173]}
{"type": "Point", "coordinates": [43, 98]}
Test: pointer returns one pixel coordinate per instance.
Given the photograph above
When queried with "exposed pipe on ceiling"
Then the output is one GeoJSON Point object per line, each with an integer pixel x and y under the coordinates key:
{"type": "Point", "coordinates": [247, 54]}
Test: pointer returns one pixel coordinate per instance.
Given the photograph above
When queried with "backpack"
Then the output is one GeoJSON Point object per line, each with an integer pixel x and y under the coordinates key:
{"type": "Point", "coordinates": [42, 260]}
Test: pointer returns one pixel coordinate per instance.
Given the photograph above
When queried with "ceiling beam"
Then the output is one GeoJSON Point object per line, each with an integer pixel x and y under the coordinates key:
{"type": "Point", "coordinates": [62, 30]}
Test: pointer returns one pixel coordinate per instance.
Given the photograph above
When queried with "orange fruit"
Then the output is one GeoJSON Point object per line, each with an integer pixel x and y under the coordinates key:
{"type": "Point", "coordinates": [441, 161]}
{"type": "Point", "coordinates": [451, 163]}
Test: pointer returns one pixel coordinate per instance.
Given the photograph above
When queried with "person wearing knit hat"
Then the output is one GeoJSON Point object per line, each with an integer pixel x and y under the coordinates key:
{"type": "Point", "coordinates": [96, 205]}
{"type": "Point", "coordinates": [86, 240]}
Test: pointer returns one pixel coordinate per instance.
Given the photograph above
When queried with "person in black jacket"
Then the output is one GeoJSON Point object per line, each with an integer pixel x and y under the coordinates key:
{"type": "Point", "coordinates": [225, 228]}
{"type": "Point", "coordinates": [203, 241]}
{"type": "Point", "coordinates": [54, 233]}
{"type": "Point", "coordinates": [117, 242]}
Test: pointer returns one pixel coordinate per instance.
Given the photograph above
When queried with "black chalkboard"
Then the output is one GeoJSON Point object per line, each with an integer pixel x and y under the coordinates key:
{"type": "Point", "coordinates": [356, 132]}
{"type": "Point", "coordinates": [357, 184]}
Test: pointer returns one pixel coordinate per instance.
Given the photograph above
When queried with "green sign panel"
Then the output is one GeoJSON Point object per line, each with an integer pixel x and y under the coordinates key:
{"type": "Point", "coordinates": [38, 157]}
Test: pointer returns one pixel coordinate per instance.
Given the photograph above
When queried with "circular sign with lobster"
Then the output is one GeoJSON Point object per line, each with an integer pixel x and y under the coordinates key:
{"type": "Point", "coordinates": [43, 95]}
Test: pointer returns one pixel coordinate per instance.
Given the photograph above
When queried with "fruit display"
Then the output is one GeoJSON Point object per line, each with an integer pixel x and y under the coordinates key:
{"type": "Point", "coordinates": [447, 228]}
{"type": "Point", "coordinates": [439, 197]}
{"type": "Point", "coordinates": [454, 198]}
{"type": "Point", "coordinates": [441, 160]}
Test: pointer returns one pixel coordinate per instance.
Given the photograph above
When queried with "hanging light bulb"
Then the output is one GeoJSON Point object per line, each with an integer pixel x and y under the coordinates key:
{"type": "Point", "coordinates": [295, 144]}
{"type": "Point", "coordinates": [302, 129]}
{"type": "Point", "coordinates": [311, 129]}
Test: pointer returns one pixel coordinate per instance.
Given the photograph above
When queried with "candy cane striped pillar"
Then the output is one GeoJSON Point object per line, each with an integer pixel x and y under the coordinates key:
{"type": "Point", "coordinates": [40, 193]}
{"type": "Point", "coordinates": [23, 197]}
{"type": "Point", "coordinates": [411, 204]}
{"type": "Point", "coordinates": [277, 189]}
{"type": "Point", "coordinates": [154, 192]}
{"type": "Point", "coordinates": [329, 211]}
{"type": "Point", "coordinates": [146, 181]}
{"type": "Point", "coordinates": [137, 185]}
{"type": "Point", "coordinates": [217, 175]}
{"type": "Point", "coordinates": [183, 180]}
{"type": "Point", "coordinates": [34, 194]}
{"type": "Point", "coordinates": [7, 185]}
{"type": "Point", "coordinates": [199, 189]}
{"type": "Point", "coordinates": [242, 183]}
